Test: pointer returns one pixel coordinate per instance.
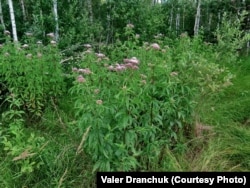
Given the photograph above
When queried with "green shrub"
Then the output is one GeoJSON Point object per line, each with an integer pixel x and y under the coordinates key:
{"type": "Point", "coordinates": [32, 73]}
{"type": "Point", "coordinates": [20, 151]}
{"type": "Point", "coordinates": [137, 103]}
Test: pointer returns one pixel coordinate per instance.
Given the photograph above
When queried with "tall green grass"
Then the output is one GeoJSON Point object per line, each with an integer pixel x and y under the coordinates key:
{"type": "Point", "coordinates": [228, 147]}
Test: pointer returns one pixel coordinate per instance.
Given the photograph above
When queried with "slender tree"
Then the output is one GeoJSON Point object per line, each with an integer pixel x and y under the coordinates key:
{"type": "Point", "coordinates": [13, 22]}
{"type": "Point", "coordinates": [210, 21]}
{"type": "Point", "coordinates": [219, 19]}
{"type": "Point", "coordinates": [56, 19]}
{"type": "Point", "coordinates": [177, 22]}
{"type": "Point", "coordinates": [171, 17]}
{"type": "Point", "coordinates": [109, 24]}
{"type": "Point", "coordinates": [197, 18]}
{"type": "Point", "coordinates": [1, 16]}
{"type": "Point", "coordinates": [23, 10]}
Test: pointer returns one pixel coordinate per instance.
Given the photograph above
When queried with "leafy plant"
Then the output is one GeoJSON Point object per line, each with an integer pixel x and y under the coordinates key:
{"type": "Point", "coordinates": [33, 73]}
{"type": "Point", "coordinates": [20, 150]}
{"type": "Point", "coordinates": [230, 37]}
{"type": "Point", "coordinates": [137, 106]}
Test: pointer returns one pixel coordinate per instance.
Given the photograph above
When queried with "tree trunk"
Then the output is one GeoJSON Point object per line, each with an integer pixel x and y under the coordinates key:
{"type": "Point", "coordinates": [177, 22]}
{"type": "Point", "coordinates": [110, 27]}
{"type": "Point", "coordinates": [56, 19]}
{"type": "Point", "coordinates": [1, 15]}
{"type": "Point", "coordinates": [197, 19]}
{"type": "Point", "coordinates": [210, 22]}
{"type": "Point", "coordinates": [13, 22]}
{"type": "Point", "coordinates": [219, 19]}
{"type": "Point", "coordinates": [23, 10]}
{"type": "Point", "coordinates": [171, 18]}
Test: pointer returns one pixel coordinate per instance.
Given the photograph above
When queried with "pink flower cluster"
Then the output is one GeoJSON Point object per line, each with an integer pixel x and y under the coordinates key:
{"type": "Point", "coordinates": [101, 56]}
{"type": "Point", "coordinates": [84, 71]}
{"type": "Point", "coordinates": [130, 26]}
{"type": "Point", "coordinates": [155, 46]}
{"type": "Point", "coordinates": [99, 102]}
{"type": "Point", "coordinates": [80, 78]}
{"type": "Point", "coordinates": [132, 63]}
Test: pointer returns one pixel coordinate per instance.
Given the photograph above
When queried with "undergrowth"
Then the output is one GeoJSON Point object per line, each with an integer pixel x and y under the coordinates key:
{"type": "Point", "coordinates": [229, 115]}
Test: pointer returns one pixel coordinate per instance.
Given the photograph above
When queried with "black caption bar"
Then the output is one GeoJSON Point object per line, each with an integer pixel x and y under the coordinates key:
{"type": "Point", "coordinates": [173, 179]}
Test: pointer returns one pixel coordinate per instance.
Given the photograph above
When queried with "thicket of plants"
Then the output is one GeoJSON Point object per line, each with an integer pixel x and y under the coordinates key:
{"type": "Point", "coordinates": [128, 98]}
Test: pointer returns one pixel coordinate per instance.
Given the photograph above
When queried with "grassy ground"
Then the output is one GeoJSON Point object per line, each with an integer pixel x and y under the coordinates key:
{"type": "Point", "coordinates": [225, 147]}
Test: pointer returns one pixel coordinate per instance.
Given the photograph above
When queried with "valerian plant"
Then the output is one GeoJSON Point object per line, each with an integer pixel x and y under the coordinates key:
{"type": "Point", "coordinates": [135, 107]}
{"type": "Point", "coordinates": [32, 71]}
{"type": "Point", "coordinates": [137, 102]}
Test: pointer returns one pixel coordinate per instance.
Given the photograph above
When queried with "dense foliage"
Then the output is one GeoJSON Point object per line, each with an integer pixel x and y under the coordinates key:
{"type": "Point", "coordinates": [125, 85]}
{"type": "Point", "coordinates": [97, 22]}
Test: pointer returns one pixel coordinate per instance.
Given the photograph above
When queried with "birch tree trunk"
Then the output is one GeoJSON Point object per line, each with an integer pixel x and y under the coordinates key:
{"type": "Point", "coordinates": [1, 15]}
{"type": "Point", "coordinates": [13, 22]}
{"type": "Point", "coordinates": [171, 18]}
{"type": "Point", "coordinates": [177, 22]}
{"type": "Point", "coordinates": [247, 27]}
{"type": "Point", "coordinates": [219, 19]}
{"type": "Point", "coordinates": [210, 22]}
{"type": "Point", "coordinates": [56, 19]}
{"type": "Point", "coordinates": [23, 10]}
{"type": "Point", "coordinates": [197, 19]}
